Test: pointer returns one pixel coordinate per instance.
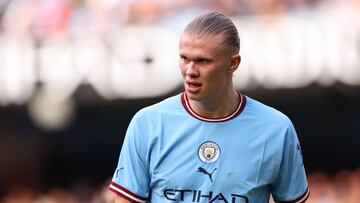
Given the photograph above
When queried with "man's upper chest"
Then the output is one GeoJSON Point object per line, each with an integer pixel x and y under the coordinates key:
{"type": "Point", "coordinates": [219, 157]}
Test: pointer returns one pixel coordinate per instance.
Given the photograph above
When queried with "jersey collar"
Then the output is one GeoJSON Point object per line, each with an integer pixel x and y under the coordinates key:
{"type": "Point", "coordinates": [186, 104]}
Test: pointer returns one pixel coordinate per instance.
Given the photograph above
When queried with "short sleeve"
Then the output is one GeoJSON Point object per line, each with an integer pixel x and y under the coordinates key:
{"type": "Point", "coordinates": [291, 183]}
{"type": "Point", "coordinates": [131, 177]}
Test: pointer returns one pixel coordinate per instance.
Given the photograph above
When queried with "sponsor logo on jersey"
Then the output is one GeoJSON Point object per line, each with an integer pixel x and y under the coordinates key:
{"type": "Point", "coordinates": [209, 152]}
{"type": "Point", "coordinates": [301, 155]}
{"type": "Point", "coordinates": [202, 170]}
{"type": "Point", "coordinates": [188, 195]}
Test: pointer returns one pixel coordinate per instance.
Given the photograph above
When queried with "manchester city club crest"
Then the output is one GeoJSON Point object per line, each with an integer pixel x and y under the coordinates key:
{"type": "Point", "coordinates": [209, 152]}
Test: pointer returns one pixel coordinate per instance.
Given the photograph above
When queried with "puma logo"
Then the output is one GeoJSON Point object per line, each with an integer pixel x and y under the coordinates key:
{"type": "Point", "coordinates": [117, 171]}
{"type": "Point", "coordinates": [202, 170]}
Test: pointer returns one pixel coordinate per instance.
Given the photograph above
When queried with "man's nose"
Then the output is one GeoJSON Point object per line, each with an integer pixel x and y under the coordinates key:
{"type": "Point", "coordinates": [191, 69]}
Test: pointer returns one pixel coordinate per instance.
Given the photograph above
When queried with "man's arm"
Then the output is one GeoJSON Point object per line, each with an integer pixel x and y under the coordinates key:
{"type": "Point", "coordinates": [119, 199]}
{"type": "Point", "coordinates": [131, 177]}
{"type": "Point", "coordinates": [291, 184]}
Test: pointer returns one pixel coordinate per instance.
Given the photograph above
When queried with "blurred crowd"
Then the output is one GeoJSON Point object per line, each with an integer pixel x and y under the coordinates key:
{"type": "Point", "coordinates": [78, 193]}
{"type": "Point", "coordinates": [73, 18]}
{"type": "Point", "coordinates": [48, 17]}
{"type": "Point", "coordinates": [343, 187]}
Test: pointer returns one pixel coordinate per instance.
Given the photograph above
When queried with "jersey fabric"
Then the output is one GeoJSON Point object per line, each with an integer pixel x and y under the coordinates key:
{"type": "Point", "coordinates": [171, 154]}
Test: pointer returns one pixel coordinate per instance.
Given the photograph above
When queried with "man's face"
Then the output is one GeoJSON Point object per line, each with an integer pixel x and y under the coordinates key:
{"type": "Point", "coordinates": [205, 65]}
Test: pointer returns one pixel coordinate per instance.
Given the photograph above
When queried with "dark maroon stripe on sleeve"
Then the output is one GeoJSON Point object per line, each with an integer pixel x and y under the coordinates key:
{"type": "Point", "coordinates": [300, 199]}
{"type": "Point", "coordinates": [128, 192]}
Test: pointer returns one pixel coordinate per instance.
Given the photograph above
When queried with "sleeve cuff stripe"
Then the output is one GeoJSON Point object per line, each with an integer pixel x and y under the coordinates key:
{"type": "Point", "coordinates": [301, 199]}
{"type": "Point", "coordinates": [126, 193]}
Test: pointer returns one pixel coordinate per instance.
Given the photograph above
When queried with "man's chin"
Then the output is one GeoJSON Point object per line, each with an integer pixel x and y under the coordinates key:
{"type": "Point", "coordinates": [196, 96]}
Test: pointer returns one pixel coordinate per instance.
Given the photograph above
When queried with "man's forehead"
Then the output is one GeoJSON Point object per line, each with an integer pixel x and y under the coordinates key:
{"type": "Point", "coordinates": [196, 38]}
{"type": "Point", "coordinates": [210, 43]}
{"type": "Point", "coordinates": [209, 46]}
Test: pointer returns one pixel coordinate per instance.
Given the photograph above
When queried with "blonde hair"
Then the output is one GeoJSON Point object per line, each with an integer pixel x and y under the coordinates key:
{"type": "Point", "coordinates": [213, 24]}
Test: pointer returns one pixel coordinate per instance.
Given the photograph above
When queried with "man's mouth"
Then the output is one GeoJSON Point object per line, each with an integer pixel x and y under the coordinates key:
{"type": "Point", "coordinates": [193, 86]}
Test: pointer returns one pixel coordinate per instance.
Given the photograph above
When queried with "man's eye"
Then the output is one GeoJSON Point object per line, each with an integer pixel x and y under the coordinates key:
{"type": "Point", "coordinates": [203, 61]}
{"type": "Point", "coordinates": [183, 58]}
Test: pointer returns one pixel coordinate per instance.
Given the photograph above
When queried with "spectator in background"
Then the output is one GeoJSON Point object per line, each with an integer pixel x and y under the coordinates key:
{"type": "Point", "coordinates": [21, 12]}
{"type": "Point", "coordinates": [3, 6]}
{"type": "Point", "coordinates": [321, 188]}
{"type": "Point", "coordinates": [52, 17]}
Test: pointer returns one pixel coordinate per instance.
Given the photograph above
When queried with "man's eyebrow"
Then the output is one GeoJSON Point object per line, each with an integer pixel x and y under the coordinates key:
{"type": "Point", "coordinates": [196, 57]}
{"type": "Point", "coordinates": [203, 58]}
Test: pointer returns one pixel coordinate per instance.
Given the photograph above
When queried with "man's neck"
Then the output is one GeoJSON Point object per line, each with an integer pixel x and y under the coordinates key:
{"type": "Point", "coordinates": [218, 106]}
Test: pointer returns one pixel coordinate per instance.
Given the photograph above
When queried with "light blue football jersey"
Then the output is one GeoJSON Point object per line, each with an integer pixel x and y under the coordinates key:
{"type": "Point", "coordinates": [171, 154]}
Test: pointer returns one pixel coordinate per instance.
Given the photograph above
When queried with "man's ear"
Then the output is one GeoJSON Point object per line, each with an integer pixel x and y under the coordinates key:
{"type": "Point", "coordinates": [234, 64]}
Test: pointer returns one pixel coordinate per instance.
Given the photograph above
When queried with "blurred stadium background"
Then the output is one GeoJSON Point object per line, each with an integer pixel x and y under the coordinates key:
{"type": "Point", "coordinates": [73, 73]}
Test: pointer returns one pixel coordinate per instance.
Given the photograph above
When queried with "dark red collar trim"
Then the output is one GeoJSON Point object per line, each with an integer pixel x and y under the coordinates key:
{"type": "Point", "coordinates": [239, 109]}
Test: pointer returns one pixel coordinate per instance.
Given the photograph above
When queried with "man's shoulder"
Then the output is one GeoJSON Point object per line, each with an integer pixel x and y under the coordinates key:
{"type": "Point", "coordinates": [167, 106]}
{"type": "Point", "coordinates": [265, 112]}
{"type": "Point", "coordinates": [273, 122]}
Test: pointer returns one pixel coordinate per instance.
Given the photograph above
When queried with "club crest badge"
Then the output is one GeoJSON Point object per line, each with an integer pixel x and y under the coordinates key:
{"type": "Point", "coordinates": [209, 152]}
